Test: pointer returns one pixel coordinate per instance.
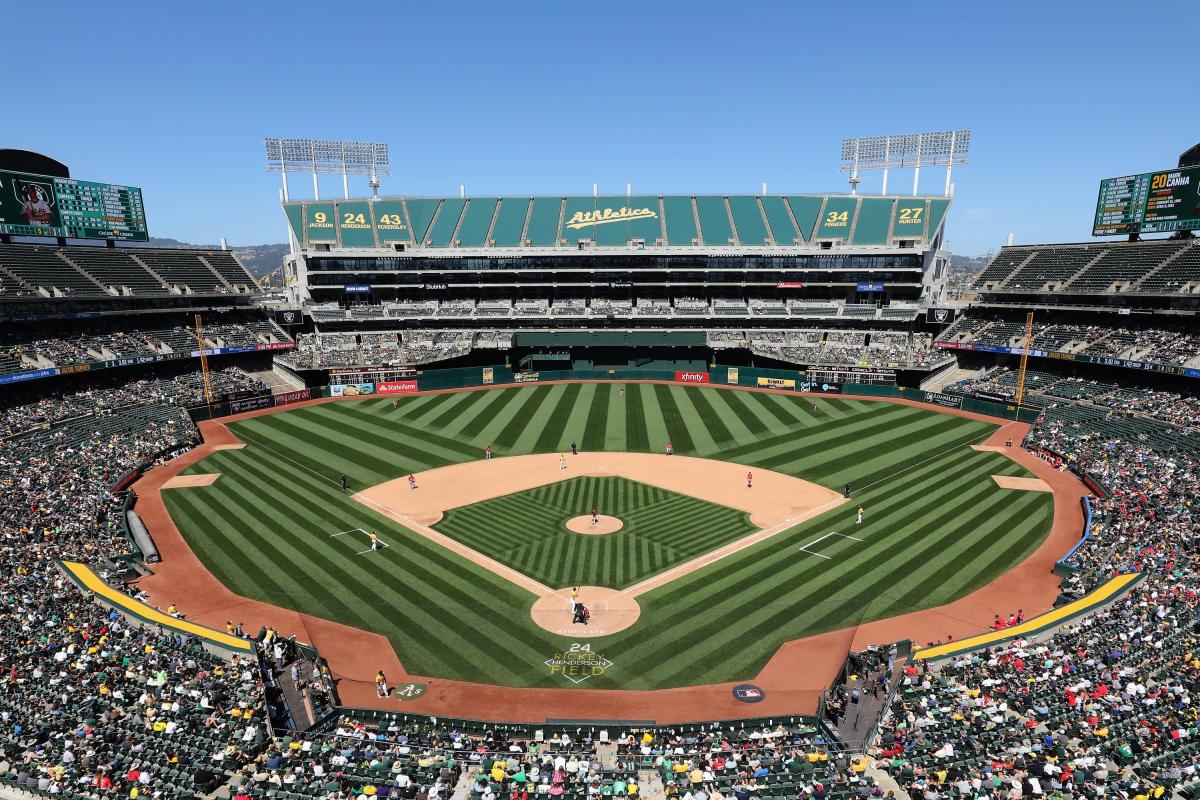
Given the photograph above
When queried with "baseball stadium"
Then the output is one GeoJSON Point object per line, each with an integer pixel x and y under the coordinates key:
{"type": "Point", "coordinates": [659, 495]}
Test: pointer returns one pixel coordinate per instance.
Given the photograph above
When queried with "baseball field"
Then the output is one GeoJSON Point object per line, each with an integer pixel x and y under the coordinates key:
{"type": "Point", "coordinates": [711, 576]}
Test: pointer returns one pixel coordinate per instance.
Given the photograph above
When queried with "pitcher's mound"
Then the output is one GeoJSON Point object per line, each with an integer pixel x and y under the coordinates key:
{"type": "Point", "coordinates": [604, 524]}
{"type": "Point", "coordinates": [610, 612]}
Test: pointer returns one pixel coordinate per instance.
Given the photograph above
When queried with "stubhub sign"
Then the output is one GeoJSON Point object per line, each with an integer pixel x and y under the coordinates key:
{"type": "Point", "coordinates": [691, 377]}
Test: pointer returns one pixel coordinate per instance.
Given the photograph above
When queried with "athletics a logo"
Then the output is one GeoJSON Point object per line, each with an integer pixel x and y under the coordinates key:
{"type": "Point", "coordinates": [586, 219]}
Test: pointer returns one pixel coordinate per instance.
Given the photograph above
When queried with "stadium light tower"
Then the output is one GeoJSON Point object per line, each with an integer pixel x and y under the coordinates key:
{"type": "Point", "coordinates": [916, 150]}
{"type": "Point", "coordinates": [324, 155]}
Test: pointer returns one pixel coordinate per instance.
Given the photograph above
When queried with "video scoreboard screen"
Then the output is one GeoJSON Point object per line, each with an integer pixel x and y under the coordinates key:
{"type": "Point", "coordinates": [1153, 202]}
{"type": "Point", "coordinates": [40, 205]}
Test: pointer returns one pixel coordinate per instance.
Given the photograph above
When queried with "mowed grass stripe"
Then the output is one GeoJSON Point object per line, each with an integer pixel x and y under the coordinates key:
{"type": "Point", "coordinates": [597, 419]}
{"type": "Point", "coordinates": [551, 437]}
{"type": "Point", "coordinates": [498, 400]}
{"type": "Point", "coordinates": [743, 570]}
{"type": "Point", "coordinates": [677, 430]}
{"type": "Point", "coordinates": [456, 412]}
{"type": "Point", "coordinates": [875, 563]}
{"type": "Point", "coordinates": [526, 415]}
{"type": "Point", "coordinates": [813, 441]}
{"type": "Point", "coordinates": [753, 600]}
{"type": "Point", "coordinates": [321, 454]}
{"type": "Point", "coordinates": [635, 420]}
{"type": "Point", "coordinates": [733, 407]}
{"type": "Point", "coordinates": [710, 418]}
{"type": "Point", "coordinates": [374, 428]}
{"type": "Point", "coordinates": [425, 568]}
{"type": "Point", "coordinates": [862, 446]}
{"type": "Point", "coordinates": [371, 433]}
{"type": "Point", "coordinates": [517, 528]}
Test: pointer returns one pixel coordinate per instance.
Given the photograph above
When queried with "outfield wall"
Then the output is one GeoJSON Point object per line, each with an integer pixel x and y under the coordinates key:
{"type": "Point", "coordinates": [787, 381]}
{"type": "Point", "coordinates": [749, 377]}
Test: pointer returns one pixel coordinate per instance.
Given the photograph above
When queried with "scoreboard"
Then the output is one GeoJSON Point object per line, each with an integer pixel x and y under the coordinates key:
{"type": "Point", "coordinates": [40, 205]}
{"type": "Point", "coordinates": [1153, 202]}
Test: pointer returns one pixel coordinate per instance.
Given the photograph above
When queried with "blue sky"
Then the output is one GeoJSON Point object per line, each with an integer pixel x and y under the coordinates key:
{"type": "Point", "coordinates": [549, 97]}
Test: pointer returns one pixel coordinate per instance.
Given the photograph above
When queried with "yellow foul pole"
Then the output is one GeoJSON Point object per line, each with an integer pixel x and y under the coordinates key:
{"type": "Point", "coordinates": [1024, 360]}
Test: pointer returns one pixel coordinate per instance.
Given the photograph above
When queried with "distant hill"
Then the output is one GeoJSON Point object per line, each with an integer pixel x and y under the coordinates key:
{"type": "Point", "coordinates": [260, 259]}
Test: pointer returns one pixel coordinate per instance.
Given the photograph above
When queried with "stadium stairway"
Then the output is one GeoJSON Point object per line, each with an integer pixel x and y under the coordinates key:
{"type": "Point", "coordinates": [949, 375]}
{"type": "Point", "coordinates": [279, 379]}
{"type": "Point", "coordinates": [886, 782]}
{"type": "Point", "coordinates": [650, 783]}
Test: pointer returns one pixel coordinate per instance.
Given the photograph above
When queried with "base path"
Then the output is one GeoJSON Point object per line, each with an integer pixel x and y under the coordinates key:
{"type": "Point", "coordinates": [775, 503]}
{"type": "Point", "coordinates": [793, 678]}
{"type": "Point", "coordinates": [775, 497]}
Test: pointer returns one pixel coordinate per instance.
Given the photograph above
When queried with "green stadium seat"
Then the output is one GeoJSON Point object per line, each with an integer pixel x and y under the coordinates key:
{"type": "Point", "coordinates": [748, 220]}
{"type": "Point", "coordinates": [476, 220]}
{"type": "Point", "coordinates": [510, 221]}
{"type": "Point", "coordinates": [783, 230]}
{"type": "Point", "coordinates": [441, 233]}
{"type": "Point", "coordinates": [714, 220]}
{"type": "Point", "coordinates": [681, 220]}
{"type": "Point", "coordinates": [543, 221]}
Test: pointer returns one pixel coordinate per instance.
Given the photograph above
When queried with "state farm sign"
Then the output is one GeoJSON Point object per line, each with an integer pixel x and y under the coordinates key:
{"type": "Point", "coordinates": [691, 377]}
{"type": "Point", "coordinates": [396, 387]}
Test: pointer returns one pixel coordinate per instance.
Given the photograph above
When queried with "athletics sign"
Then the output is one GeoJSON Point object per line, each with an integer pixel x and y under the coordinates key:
{"type": "Point", "coordinates": [578, 663]}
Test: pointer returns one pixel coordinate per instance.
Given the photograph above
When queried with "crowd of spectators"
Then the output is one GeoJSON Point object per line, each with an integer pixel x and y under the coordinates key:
{"type": "Point", "coordinates": [1047, 389]}
{"type": "Point", "coordinates": [24, 350]}
{"type": "Point", "coordinates": [32, 408]}
{"type": "Point", "coordinates": [91, 705]}
{"type": "Point", "coordinates": [1103, 706]}
{"type": "Point", "coordinates": [1151, 345]}
{"type": "Point", "coordinates": [883, 349]}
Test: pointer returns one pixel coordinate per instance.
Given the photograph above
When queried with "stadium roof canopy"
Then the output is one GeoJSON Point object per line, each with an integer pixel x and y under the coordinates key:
{"type": "Point", "coordinates": [766, 222]}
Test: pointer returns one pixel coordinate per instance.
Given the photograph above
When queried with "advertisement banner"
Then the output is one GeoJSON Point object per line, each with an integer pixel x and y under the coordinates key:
{"type": "Point", "coordinates": [28, 376]}
{"type": "Point", "coordinates": [814, 386]}
{"type": "Point", "coordinates": [396, 387]}
{"type": "Point", "coordinates": [276, 346]}
{"type": "Point", "coordinates": [526, 377]}
{"type": "Point", "coordinates": [351, 389]}
{"type": "Point", "coordinates": [776, 383]}
{"type": "Point", "coordinates": [249, 404]}
{"type": "Point", "coordinates": [789, 285]}
{"type": "Point", "coordinates": [357, 288]}
{"type": "Point", "coordinates": [691, 377]}
{"type": "Point", "coordinates": [287, 398]}
{"type": "Point", "coordinates": [487, 375]}
{"type": "Point", "coordinates": [947, 400]}
{"type": "Point", "coordinates": [869, 286]}
{"type": "Point", "coordinates": [732, 376]}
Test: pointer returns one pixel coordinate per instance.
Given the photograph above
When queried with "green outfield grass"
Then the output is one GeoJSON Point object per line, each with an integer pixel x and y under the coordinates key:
{"type": "Point", "coordinates": [936, 525]}
{"type": "Point", "coordinates": [526, 530]}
